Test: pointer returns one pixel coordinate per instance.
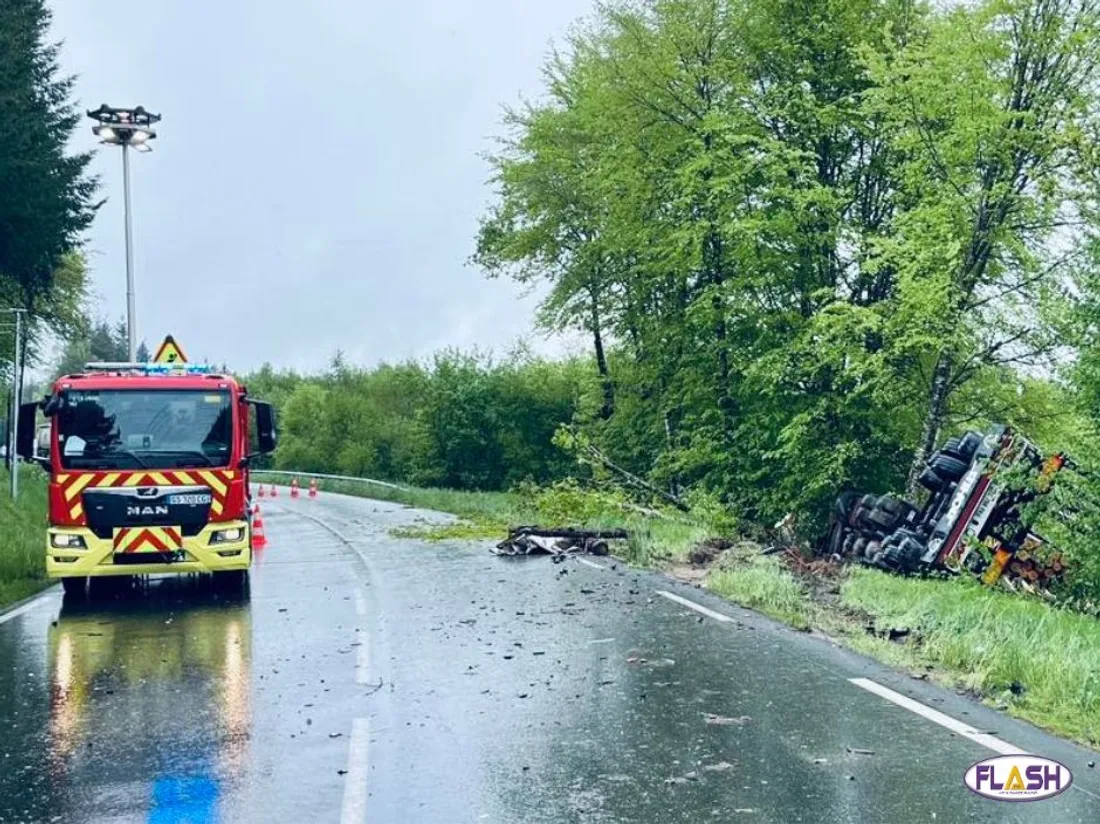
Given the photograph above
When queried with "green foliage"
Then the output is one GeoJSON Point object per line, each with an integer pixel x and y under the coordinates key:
{"type": "Point", "coordinates": [807, 242]}
{"type": "Point", "coordinates": [99, 341]}
{"type": "Point", "coordinates": [22, 536]}
{"type": "Point", "coordinates": [48, 196]}
{"type": "Point", "coordinates": [463, 421]}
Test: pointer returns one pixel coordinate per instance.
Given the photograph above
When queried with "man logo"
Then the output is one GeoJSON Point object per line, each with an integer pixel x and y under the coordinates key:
{"type": "Point", "coordinates": [1018, 778]}
{"type": "Point", "coordinates": [143, 511]}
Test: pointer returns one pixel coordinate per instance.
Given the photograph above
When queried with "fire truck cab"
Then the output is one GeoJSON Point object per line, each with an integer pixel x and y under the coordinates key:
{"type": "Point", "coordinates": [149, 469]}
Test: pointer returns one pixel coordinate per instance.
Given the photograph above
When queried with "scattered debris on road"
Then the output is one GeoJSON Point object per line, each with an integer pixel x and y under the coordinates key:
{"type": "Point", "coordinates": [559, 542]}
{"type": "Point", "coordinates": [725, 721]}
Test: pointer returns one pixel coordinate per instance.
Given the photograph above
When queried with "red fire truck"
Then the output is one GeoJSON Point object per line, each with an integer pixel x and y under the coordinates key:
{"type": "Point", "coordinates": [149, 469]}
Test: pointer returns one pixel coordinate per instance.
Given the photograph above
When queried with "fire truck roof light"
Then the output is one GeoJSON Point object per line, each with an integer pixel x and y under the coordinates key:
{"type": "Point", "coordinates": [150, 368]}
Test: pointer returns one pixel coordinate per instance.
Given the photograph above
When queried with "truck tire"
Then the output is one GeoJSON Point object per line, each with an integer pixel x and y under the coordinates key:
{"type": "Point", "coordinates": [842, 507]}
{"type": "Point", "coordinates": [931, 480]}
{"type": "Point", "coordinates": [233, 581]}
{"type": "Point", "coordinates": [948, 467]}
{"type": "Point", "coordinates": [872, 550]}
{"type": "Point", "coordinates": [859, 511]}
{"type": "Point", "coordinates": [75, 588]}
{"type": "Point", "coordinates": [968, 445]}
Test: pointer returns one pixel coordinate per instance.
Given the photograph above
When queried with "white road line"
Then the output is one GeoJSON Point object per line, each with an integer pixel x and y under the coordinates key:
{"type": "Point", "coordinates": [362, 659]}
{"type": "Point", "coordinates": [702, 610]}
{"type": "Point", "coordinates": [360, 602]}
{"type": "Point", "coordinates": [354, 810]}
{"type": "Point", "coordinates": [965, 730]}
{"type": "Point", "coordinates": [592, 564]}
{"type": "Point", "coordinates": [34, 603]}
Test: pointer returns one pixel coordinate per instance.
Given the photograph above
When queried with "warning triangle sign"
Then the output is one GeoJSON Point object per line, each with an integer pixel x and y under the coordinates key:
{"type": "Point", "coordinates": [169, 352]}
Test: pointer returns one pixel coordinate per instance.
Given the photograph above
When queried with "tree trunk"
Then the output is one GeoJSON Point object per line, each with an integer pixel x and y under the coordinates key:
{"type": "Point", "coordinates": [608, 408]}
{"type": "Point", "coordinates": [933, 421]}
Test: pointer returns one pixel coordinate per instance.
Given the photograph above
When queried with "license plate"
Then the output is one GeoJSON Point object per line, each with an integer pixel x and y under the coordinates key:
{"type": "Point", "coordinates": [189, 500]}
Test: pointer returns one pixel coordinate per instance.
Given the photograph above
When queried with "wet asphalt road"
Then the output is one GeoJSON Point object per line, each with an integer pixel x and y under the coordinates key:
{"type": "Point", "coordinates": [367, 678]}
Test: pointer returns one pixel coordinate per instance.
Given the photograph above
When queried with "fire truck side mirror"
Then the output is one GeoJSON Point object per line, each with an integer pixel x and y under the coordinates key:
{"type": "Point", "coordinates": [28, 431]}
{"type": "Point", "coordinates": [265, 427]}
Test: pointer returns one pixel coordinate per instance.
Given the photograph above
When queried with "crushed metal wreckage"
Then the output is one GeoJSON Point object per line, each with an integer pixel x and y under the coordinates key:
{"type": "Point", "coordinates": [560, 542]}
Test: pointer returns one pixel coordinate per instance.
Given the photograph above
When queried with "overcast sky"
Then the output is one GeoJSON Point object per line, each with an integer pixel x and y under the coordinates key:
{"type": "Point", "coordinates": [316, 182]}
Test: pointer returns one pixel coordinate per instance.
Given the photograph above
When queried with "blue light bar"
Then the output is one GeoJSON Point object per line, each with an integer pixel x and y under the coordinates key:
{"type": "Point", "coordinates": [150, 368]}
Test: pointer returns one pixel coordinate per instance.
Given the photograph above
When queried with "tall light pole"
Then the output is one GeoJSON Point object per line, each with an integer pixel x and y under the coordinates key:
{"type": "Point", "coordinates": [128, 128]}
{"type": "Point", "coordinates": [14, 426]}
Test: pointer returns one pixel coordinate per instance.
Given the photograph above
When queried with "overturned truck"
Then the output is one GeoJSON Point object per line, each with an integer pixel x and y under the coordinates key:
{"type": "Point", "coordinates": [971, 520]}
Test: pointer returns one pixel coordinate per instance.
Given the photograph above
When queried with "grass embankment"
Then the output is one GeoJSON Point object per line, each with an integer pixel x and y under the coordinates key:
{"type": "Point", "coordinates": [22, 536]}
{"type": "Point", "coordinates": [1015, 653]}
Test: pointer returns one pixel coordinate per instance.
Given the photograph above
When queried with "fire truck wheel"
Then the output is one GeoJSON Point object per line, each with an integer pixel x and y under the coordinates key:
{"type": "Point", "coordinates": [75, 587]}
{"type": "Point", "coordinates": [235, 580]}
{"type": "Point", "coordinates": [948, 466]}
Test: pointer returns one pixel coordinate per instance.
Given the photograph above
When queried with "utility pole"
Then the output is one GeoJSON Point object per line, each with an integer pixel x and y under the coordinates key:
{"type": "Point", "coordinates": [14, 426]}
{"type": "Point", "coordinates": [131, 327]}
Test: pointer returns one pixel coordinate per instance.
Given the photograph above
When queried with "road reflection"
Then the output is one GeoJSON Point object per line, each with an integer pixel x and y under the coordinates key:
{"type": "Point", "coordinates": [151, 689]}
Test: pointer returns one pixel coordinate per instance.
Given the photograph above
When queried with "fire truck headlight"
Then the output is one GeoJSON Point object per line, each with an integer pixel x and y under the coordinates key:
{"type": "Point", "coordinates": [227, 536]}
{"type": "Point", "coordinates": [60, 540]}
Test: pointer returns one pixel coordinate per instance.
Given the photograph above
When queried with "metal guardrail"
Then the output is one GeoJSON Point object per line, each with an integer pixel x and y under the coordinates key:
{"type": "Point", "coordinates": [322, 476]}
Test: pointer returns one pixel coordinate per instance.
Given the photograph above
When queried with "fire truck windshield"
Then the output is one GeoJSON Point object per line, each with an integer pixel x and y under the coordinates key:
{"type": "Point", "coordinates": [133, 429]}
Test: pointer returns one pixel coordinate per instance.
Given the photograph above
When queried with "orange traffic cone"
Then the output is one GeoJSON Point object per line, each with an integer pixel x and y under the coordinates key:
{"type": "Point", "coordinates": [259, 538]}
{"type": "Point", "coordinates": [261, 493]}
{"type": "Point", "coordinates": [294, 492]}
{"type": "Point", "coordinates": [313, 487]}
{"type": "Point", "coordinates": [274, 491]}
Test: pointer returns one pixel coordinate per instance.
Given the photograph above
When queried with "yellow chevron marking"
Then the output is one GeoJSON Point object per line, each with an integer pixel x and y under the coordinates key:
{"type": "Point", "coordinates": [216, 507]}
{"type": "Point", "coordinates": [77, 486]}
{"type": "Point", "coordinates": [159, 479]}
{"type": "Point", "coordinates": [109, 479]}
{"type": "Point", "coordinates": [76, 511]}
{"type": "Point", "coordinates": [229, 475]}
{"type": "Point", "coordinates": [134, 479]}
{"type": "Point", "coordinates": [61, 479]}
{"type": "Point", "coordinates": [214, 481]}
{"type": "Point", "coordinates": [127, 540]}
{"type": "Point", "coordinates": [185, 479]}
{"type": "Point", "coordinates": [147, 545]}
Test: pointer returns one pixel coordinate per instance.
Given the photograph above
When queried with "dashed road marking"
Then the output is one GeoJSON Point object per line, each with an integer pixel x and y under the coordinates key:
{"type": "Point", "coordinates": [592, 564]}
{"type": "Point", "coordinates": [360, 602]}
{"type": "Point", "coordinates": [354, 810]}
{"type": "Point", "coordinates": [702, 610]}
{"type": "Point", "coordinates": [362, 659]}
{"type": "Point", "coordinates": [992, 742]}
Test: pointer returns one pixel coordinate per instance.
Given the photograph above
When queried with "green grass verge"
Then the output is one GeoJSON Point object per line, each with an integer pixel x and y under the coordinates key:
{"type": "Point", "coordinates": [22, 536]}
{"type": "Point", "coordinates": [1039, 663]}
{"type": "Point", "coordinates": [761, 582]}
